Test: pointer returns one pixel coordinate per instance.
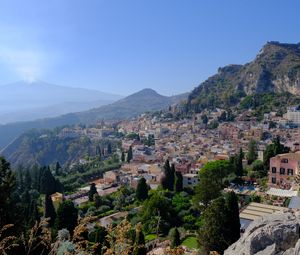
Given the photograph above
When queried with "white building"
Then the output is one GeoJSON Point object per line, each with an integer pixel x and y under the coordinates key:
{"type": "Point", "coordinates": [190, 180]}
{"type": "Point", "coordinates": [293, 115]}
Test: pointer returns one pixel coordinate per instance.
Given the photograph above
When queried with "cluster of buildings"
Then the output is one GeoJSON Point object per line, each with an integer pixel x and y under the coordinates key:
{"type": "Point", "coordinates": [189, 144]}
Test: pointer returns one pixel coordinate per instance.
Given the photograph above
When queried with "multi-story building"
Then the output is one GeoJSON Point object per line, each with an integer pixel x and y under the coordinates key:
{"type": "Point", "coordinates": [284, 168]}
{"type": "Point", "coordinates": [293, 115]}
{"type": "Point", "coordinates": [190, 180]}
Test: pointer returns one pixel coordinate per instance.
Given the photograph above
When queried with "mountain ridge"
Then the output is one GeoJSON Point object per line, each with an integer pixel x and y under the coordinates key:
{"type": "Point", "coordinates": [275, 69]}
{"type": "Point", "coordinates": [125, 108]}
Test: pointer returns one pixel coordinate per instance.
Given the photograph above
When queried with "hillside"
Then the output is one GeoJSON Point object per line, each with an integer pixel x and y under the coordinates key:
{"type": "Point", "coordinates": [22, 101]}
{"type": "Point", "coordinates": [131, 106]}
{"type": "Point", "coordinates": [274, 72]}
{"type": "Point", "coordinates": [46, 147]}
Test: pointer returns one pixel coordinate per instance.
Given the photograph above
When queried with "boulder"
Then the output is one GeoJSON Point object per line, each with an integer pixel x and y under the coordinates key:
{"type": "Point", "coordinates": [275, 234]}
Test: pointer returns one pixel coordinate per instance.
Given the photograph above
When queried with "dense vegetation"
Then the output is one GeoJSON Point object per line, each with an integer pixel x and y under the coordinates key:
{"type": "Point", "coordinates": [47, 147]}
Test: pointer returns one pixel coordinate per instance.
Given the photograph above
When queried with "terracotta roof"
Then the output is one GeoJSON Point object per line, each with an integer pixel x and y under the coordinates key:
{"type": "Point", "coordinates": [292, 156]}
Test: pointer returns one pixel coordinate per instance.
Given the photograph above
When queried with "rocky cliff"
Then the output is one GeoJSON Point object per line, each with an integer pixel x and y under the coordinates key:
{"type": "Point", "coordinates": [275, 234]}
{"type": "Point", "coordinates": [275, 69]}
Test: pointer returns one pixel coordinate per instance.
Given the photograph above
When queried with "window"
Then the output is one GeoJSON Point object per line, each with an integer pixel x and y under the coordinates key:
{"type": "Point", "coordinates": [274, 180]}
{"type": "Point", "coordinates": [284, 160]}
{"type": "Point", "coordinates": [273, 170]}
{"type": "Point", "coordinates": [282, 170]}
{"type": "Point", "coordinates": [290, 171]}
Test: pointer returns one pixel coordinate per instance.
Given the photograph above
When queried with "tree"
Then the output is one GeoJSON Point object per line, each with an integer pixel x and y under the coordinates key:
{"type": "Point", "coordinates": [211, 182]}
{"type": "Point", "coordinates": [233, 218]}
{"type": "Point", "coordinates": [109, 148]}
{"type": "Point", "coordinates": [204, 119]}
{"type": "Point", "coordinates": [175, 238]}
{"type": "Point", "coordinates": [27, 180]}
{"type": "Point", "coordinates": [49, 210]}
{"type": "Point", "coordinates": [92, 192]}
{"type": "Point", "coordinates": [220, 224]}
{"type": "Point", "coordinates": [252, 151]}
{"type": "Point", "coordinates": [222, 117]}
{"type": "Point", "coordinates": [7, 185]}
{"type": "Point", "coordinates": [167, 181]}
{"type": "Point", "coordinates": [211, 233]}
{"type": "Point", "coordinates": [57, 168]}
{"type": "Point", "coordinates": [129, 154]}
{"type": "Point", "coordinates": [67, 215]}
{"type": "Point", "coordinates": [142, 190]}
{"type": "Point", "coordinates": [48, 182]}
{"type": "Point", "coordinates": [178, 185]}
{"type": "Point", "coordinates": [123, 156]}
{"type": "Point", "coordinates": [139, 243]}
{"type": "Point", "coordinates": [157, 213]}
{"type": "Point", "coordinates": [238, 163]}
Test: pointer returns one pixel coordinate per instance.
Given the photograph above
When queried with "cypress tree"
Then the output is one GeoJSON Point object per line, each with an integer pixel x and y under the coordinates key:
{"type": "Point", "coordinates": [142, 190]}
{"type": "Point", "coordinates": [123, 156]}
{"type": "Point", "coordinates": [67, 215]}
{"type": "Point", "coordinates": [129, 154]}
{"type": "Point", "coordinates": [139, 244]}
{"type": "Point", "coordinates": [175, 238]}
{"type": "Point", "coordinates": [109, 149]}
{"type": "Point", "coordinates": [252, 151]}
{"type": "Point", "coordinates": [49, 210]}
{"type": "Point", "coordinates": [233, 218]}
{"type": "Point", "coordinates": [57, 168]}
{"type": "Point", "coordinates": [211, 234]}
{"type": "Point", "coordinates": [178, 185]}
{"type": "Point", "coordinates": [239, 170]}
{"type": "Point", "coordinates": [165, 182]}
{"type": "Point", "coordinates": [172, 178]}
{"type": "Point", "coordinates": [92, 192]}
{"type": "Point", "coordinates": [48, 182]}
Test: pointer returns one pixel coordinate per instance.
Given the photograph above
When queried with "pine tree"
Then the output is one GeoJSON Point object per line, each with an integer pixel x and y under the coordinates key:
{"type": "Point", "coordinates": [129, 154]}
{"type": "Point", "coordinates": [142, 190]}
{"type": "Point", "coordinates": [178, 185]}
{"type": "Point", "coordinates": [49, 210]}
{"type": "Point", "coordinates": [175, 238]}
{"type": "Point", "coordinates": [92, 192]}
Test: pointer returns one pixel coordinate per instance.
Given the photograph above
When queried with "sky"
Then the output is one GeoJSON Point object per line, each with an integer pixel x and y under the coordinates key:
{"type": "Point", "coordinates": [123, 46]}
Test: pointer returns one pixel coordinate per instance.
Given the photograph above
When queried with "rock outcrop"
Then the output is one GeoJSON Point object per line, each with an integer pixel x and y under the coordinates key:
{"type": "Point", "coordinates": [275, 70]}
{"type": "Point", "coordinates": [275, 234]}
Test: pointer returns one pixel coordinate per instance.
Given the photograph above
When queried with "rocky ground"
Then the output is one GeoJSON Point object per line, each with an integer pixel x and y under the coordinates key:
{"type": "Point", "coordinates": [275, 234]}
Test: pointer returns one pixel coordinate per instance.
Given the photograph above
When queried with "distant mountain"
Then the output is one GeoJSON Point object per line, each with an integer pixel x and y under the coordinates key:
{"type": "Point", "coordinates": [271, 79]}
{"type": "Point", "coordinates": [131, 106]}
{"type": "Point", "coordinates": [27, 101]}
{"type": "Point", "coordinates": [49, 111]}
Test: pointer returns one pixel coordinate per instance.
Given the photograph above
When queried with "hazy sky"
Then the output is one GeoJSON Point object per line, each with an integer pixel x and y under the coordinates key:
{"type": "Point", "coordinates": [127, 45]}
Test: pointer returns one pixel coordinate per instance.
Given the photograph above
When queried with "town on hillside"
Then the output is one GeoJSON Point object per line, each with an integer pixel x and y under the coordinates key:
{"type": "Point", "coordinates": [263, 171]}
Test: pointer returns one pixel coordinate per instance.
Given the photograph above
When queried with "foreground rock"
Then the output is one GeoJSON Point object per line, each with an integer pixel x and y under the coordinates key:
{"type": "Point", "coordinates": [276, 234]}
